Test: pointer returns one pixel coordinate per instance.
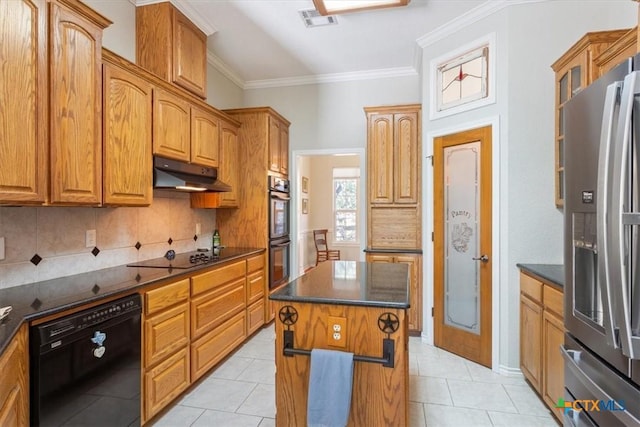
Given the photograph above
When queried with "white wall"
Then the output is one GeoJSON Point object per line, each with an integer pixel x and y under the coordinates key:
{"type": "Point", "coordinates": [529, 38]}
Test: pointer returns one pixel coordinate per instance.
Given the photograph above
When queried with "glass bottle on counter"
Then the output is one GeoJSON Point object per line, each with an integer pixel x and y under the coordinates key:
{"type": "Point", "coordinates": [216, 239]}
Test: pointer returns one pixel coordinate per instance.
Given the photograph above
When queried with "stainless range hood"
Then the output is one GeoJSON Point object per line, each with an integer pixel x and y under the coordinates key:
{"type": "Point", "coordinates": [177, 175]}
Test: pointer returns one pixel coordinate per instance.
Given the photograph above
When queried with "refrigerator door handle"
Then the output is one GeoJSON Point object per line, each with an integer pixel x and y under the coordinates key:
{"type": "Point", "coordinates": [603, 240]}
{"type": "Point", "coordinates": [619, 261]}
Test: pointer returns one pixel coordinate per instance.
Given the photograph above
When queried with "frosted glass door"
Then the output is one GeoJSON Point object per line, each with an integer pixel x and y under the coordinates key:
{"type": "Point", "coordinates": [461, 240]}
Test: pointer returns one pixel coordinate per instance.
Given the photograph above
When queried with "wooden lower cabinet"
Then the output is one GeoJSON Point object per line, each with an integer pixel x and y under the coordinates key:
{"type": "Point", "coordinates": [541, 335]}
{"type": "Point", "coordinates": [165, 382]}
{"type": "Point", "coordinates": [14, 386]}
{"type": "Point", "coordinates": [414, 314]}
{"type": "Point", "coordinates": [213, 346]}
{"type": "Point", "coordinates": [190, 325]}
{"type": "Point", "coordinates": [166, 345]}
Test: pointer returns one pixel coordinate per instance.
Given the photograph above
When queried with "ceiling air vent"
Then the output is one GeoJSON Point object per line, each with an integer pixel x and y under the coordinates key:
{"type": "Point", "coordinates": [312, 18]}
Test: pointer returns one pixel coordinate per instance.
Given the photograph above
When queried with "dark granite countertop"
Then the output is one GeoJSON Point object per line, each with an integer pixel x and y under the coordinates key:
{"type": "Point", "coordinates": [550, 273]}
{"type": "Point", "coordinates": [49, 297]}
{"type": "Point", "coordinates": [394, 251]}
{"type": "Point", "coordinates": [350, 283]}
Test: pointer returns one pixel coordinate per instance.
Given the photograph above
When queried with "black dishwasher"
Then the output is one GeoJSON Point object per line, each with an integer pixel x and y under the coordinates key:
{"type": "Point", "coordinates": [85, 367]}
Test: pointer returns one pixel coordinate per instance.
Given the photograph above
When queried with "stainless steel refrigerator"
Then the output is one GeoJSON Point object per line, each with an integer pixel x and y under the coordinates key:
{"type": "Point", "coordinates": [602, 251]}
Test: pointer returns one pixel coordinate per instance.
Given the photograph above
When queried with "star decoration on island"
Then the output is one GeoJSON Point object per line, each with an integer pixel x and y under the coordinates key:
{"type": "Point", "coordinates": [388, 323]}
{"type": "Point", "coordinates": [288, 315]}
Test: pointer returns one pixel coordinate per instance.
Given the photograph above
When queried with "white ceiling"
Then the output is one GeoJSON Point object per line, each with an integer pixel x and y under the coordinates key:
{"type": "Point", "coordinates": [260, 43]}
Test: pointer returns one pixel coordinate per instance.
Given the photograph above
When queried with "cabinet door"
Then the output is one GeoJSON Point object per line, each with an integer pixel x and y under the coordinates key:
{"type": "Point", "coordinates": [531, 342]}
{"type": "Point", "coordinates": [189, 55]}
{"type": "Point", "coordinates": [76, 102]}
{"type": "Point", "coordinates": [14, 391]}
{"type": "Point", "coordinates": [274, 144]}
{"type": "Point", "coordinates": [23, 125]}
{"type": "Point", "coordinates": [171, 126]}
{"type": "Point", "coordinates": [553, 365]}
{"type": "Point", "coordinates": [205, 136]}
{"type": "Point", "coordinates": [211, 309]}
{"type": "Point", "coordinates": [127, 138]}
{"type": "Point", "coordinates": [164, 333]}
{"type": "Point", "coordinates": [165, 382]}
{"type": "Point", "coordinates": [380, 158]}
{"type": "Point", "coordinates": [414, 314]}
{"type": "Point", "coordinates": [229, 165]}
{"type": "Point", "coordinates": [406, 164]}
{"type": "Point", "coordinates": [284, 149]}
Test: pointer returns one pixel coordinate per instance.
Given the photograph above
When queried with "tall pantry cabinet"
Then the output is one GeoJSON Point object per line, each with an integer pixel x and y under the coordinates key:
{"type": "Point", "coordinates": [394, 206]}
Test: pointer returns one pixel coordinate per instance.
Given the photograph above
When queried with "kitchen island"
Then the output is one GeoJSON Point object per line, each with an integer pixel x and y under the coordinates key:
{"type": "Point", "coordinates": [347, 306]}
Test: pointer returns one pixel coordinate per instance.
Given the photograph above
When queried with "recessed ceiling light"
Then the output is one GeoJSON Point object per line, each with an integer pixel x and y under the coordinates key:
{"type": "Point", "coordinates": [332, 7]}
{"type": "Point", "coordinates": [312, 18]}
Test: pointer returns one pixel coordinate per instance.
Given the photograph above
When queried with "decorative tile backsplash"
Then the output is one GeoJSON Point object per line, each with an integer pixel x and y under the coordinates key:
{"type": "Point", "coordinates": [55, 236]}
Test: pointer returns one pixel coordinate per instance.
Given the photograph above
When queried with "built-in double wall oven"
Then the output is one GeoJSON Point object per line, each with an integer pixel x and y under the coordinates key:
{"type": "Point", "coordinates": [279, 241]}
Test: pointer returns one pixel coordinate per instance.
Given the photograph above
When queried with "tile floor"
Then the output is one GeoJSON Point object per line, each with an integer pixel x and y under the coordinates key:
{"type": "Point", "coordinates": [445, 390]}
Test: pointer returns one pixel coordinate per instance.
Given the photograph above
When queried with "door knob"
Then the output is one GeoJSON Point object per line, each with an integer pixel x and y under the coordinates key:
{"type": "Point", "coordinates": [482, 258]}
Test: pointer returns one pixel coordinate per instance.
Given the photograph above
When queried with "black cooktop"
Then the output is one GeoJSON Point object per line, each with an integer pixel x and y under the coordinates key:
{"type": "Point", "coordinates": [180, 261]}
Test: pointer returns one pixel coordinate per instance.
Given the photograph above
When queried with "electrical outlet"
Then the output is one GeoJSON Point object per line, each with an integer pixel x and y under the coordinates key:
{"type": "Point", "coordinates": [1, 248]}
{"type": "Point", "coordinates": [90, 238]}
{"type": "Point", "coordinates": [198, 228]}
{"type": "Point", "coordinates": [337, 332]}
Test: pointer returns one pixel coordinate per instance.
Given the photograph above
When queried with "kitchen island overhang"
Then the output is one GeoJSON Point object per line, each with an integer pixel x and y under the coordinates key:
{"type": "Point", "coordinates": [353, 307]}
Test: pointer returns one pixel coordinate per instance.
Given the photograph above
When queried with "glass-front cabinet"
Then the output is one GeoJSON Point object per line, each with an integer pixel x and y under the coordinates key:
{"type": "Point", "coordinates": [574, 71]}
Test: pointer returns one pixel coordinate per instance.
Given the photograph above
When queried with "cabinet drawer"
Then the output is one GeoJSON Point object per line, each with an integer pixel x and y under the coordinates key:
{"type": "Point", "coordinates": [213, 308]}
{"type": "Point", "coordinates": [255, 286]}
{"type": "Point", "coordinates": [165, 382]}
{"type": "Point", "coordinates": [217, 277]}
{"type": "Point", "coordinates": [553, 300]}
{"type": "Point", "coordinates": [165, 332]}
{"type": "Point", "coordinates": [255, 316]}
{"type": "Point", "coordinates": [255, 263]}
{"type": "Point", "coordinates": [531, 287]}
{"type": "Point", "coordinates": [166, 296]}
{"type": "Point", "coordinates": [212, 347]}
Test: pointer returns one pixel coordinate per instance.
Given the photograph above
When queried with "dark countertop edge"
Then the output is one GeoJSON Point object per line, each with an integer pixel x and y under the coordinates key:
{"type": "Point", "coordinates": [333, 301]}
{"type": "Point", "coordinates": [394, 251]}
{"type": "Point", "coordinates": [552, 274]}
{"type": "Point", "coordinates": [17, 317]}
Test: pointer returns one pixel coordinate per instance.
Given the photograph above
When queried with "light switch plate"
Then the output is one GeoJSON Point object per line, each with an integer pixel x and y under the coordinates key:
{"type": "Point", "coordinates": [1, 248]}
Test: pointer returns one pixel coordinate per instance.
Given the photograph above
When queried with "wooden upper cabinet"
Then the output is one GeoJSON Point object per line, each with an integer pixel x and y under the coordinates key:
{"type": "Point", "coordinates": [76, 103]}
{"type": "Point", "coordinates": [127, 138]}
{"type": "Point", "coordinates": [380, 158]}
{"type": "Point", "coordinates": [228, 172]}
{"type": "Point", "coordinates": [574, 71]}
{"type": "Point", "coordinates": [393, 150]}
{"type": "Point", "coordinates": [23, 121]}
{"type": "Point", "coordinates": [205, 136]}
{"type": "Point", "coordinates": [171, 46]}
{"type": "Point", "coordinates": [623, 48]}
{"type": "Point", "coordinates": [171, 126]}
{"type": "Point", "coordinates": [278, 146]}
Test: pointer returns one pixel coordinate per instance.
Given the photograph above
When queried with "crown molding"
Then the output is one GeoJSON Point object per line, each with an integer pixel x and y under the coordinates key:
{"type": "Point", "coordinates": [225, 69]}
{"type": "Point", "coordinates": [474, 15]}
{"type": "Point", "coordinates": [184, 7]}
{"type": "Point", "coordinates": [332, 78]}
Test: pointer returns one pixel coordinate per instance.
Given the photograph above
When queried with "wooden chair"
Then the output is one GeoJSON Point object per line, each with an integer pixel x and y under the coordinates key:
{"type": "Point", "coordinates": [323, 253]}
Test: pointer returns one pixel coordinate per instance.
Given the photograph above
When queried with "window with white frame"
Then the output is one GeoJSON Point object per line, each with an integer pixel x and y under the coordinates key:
{"type": "Point", "coordinates": [346, 183]}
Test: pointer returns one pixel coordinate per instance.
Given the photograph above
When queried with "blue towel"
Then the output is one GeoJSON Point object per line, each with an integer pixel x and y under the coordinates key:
{"type": "Point", "coordinates": [330, 383]}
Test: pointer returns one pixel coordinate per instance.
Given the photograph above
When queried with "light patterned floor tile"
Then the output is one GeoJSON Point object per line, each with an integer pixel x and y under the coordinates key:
{"type": "Point", "coordinates": [218, 394]}
{"type": "Point", "coordinates": [226, 419]}
{"type": "Point", "coordinates": [443, 368]}
{"type": "Point", "coordinates": [429, 390]}
{"type": "Point", "coordinates": [231, 368]}
{"type": "Point", "coordinates": [502, 419]}
{"type": "Point", "coordinates": [259, 371]}
{"type": "Point", "coordinates": [526, 400]}
{"type": "Point", "coordinates": [469, 394]}
{"type": "Point", "coordinates": [179, 416]}
{"type": "Point", "coordinates": [416, 415]}
{"type": "Point", "coordinates": [261, 402]}
{"type": "Point", "coordinates": [448, 416]}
